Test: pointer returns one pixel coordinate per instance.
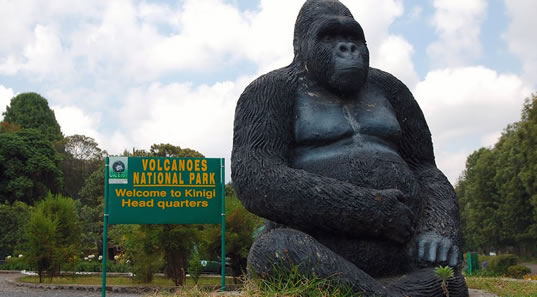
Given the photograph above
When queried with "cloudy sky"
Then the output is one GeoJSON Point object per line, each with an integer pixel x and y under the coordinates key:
{"type": "Point", "coordinates": [131, 73]}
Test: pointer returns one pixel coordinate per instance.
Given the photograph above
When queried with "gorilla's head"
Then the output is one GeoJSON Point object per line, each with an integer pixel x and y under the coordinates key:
{"type": "Point", "coordinates": [330, 46]}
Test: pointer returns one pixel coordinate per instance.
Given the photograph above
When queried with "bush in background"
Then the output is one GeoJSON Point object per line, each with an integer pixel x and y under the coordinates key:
{"type": "Point", "coordinates": [518, 271]}
{"type": "Point", "coordinates": [500, 263]}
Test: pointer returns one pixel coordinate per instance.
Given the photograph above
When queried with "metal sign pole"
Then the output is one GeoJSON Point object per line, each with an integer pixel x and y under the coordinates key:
{"type": "Point", "coordinates": [105, 229]}
{"type": "Point", "coordinates": [223, 231]}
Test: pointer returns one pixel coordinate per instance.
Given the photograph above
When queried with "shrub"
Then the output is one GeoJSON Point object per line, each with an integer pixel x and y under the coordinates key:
{"type": "Point", "coordinates": [15, 263]}
{"type": "Point", "coordinates": [142, 247]}
{"type": "Point", "coordinates": [52, 235]}
{"type": "Point", "coordinates": [41, 239]}
{"type": "Point", "coordinates": [501, 263]}
{"type": "Point", "coordinates": [518, 271]}
{"type": "Point", "coordinates": [194, 266]}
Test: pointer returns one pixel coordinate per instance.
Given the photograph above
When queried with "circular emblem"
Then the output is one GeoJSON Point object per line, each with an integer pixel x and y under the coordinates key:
{"type": "Point", "coordinates": [203, 263]}
{"type": "Point", "coordinates": [118, 166]}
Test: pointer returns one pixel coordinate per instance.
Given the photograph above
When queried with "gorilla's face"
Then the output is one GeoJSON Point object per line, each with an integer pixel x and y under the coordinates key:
{"type": "Point", "coordinates": [335, 54]}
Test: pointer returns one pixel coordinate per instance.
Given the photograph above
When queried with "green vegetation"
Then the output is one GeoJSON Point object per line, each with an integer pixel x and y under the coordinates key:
{"type": "Point", "coordinates": [122, 281]}
{"type": "Point", "coordinates": [13, 218]}
{"type": "Point", "coordinates": [28, 167]}
{"type": "Point", "coordinates": [498, 190]}
{"type": "Point", "coordinates": [503, 287]}
{"type": "Point", "coordinates": [292, 283]}
{"type": "Point", "coordinates": [445, 273]}
{"type": "Point", "coordinates": [30, 110]}
{"type": "Point", "coordinates": [52, 236]}
{"type": "Point", "coordinates": [517, 271]}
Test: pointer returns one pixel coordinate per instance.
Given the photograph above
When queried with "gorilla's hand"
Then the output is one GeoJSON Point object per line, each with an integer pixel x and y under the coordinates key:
{"type": "Point", "coordinates": [397, 224]}
{"type": "Point", "coordinates": [434, 248]}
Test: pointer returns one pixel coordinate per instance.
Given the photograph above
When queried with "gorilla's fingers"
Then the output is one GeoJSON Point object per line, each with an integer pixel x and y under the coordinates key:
{"type": "Point", "coordinates": [454, 256]}
{"type": "Point", "coordinates": [445, 245]}
{"type": "Point", "coordinates": [432, 251]}
{"type": "Point", "coordinates": [421, 249]}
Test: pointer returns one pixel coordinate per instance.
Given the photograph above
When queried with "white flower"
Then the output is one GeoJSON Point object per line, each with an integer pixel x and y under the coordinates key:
{"type": "Point", "coordinates": [100, 258]}
{"type": "Point", "coordinates": [91, 256]}
{"type": "Point", "coordinates": [89, 260]}
{"type": "Point", "coordinates": [20, 255]}
{"type": "Point", "coordinates": [116, 257]}
{"type": "Point", "coordinates": [128, 261]}
{"type": "Point", "coordinates": [86, 258]}
{"type": "Point", "coordinates": [8, 257]}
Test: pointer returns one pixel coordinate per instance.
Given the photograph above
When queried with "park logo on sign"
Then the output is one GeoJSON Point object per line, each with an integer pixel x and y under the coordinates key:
{"type": "Point", "coordinates": [119, 172]}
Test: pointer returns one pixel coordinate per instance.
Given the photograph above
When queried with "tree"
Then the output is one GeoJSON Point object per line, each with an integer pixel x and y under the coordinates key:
{"type": "Point", "coordinates": [240, 227]}
{"type": "Point", "coordinates": [169, 150]}
{"type": "Point", "coordinates": [52, 234]}
{"type": "Point", "coordinates": [13, 218]}
{"type": "Point", "coordinates": [28, 166]}
{"type": "Point", "coordinates": [498, 191]}
{"type": "Point", "coordinates": [81, 157]}
{"type": "Point", "coordinates": [30, 110]}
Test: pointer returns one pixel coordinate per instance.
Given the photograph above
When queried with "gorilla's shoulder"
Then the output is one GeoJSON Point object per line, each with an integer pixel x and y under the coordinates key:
{"type": "Point", "coordinates": [272, 85]}
{"type": "Point", "coordinates": [384, 80]}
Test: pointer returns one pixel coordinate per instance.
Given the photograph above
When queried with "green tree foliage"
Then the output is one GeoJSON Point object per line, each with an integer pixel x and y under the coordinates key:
{"type": "Point", "coordinates": [91, 196]}
{"type": "Point", "coordinates": [30, 110]}
{"type": "Point", "coordinates": [13, 218]}
{"type": "Point", "coordinates": [92, 192]}
{"type": "Point", "coordinates": [169, 150]}
{"type": "Point", "coordinates": [240, 227]}
{"type": "Point", "coordinates": [81, 157]}
{"type": "Point", "coordinates": [40, 232]}
{"type": "Point", "coordinates": [52, 234]}
{"type": "Point", "coordinates": [28, 166]}
{"type": "Point", "coordinates": [142, 246]}
{"type": "Point", "coordinates": [498, 190]}
{"type": "Point", "coordinates": [177, 242]}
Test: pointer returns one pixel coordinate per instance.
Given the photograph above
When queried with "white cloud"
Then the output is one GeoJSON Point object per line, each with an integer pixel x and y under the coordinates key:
{"type": "Point", "coordinates": [467, 108]}
{"type": "Point", "coordinates": [520, 36]}
{"type": "Point", "coordinates": [200, 117]}
{"type": "Point", "coordinates": [458, 25]}
{"type": "Point", "coordinates": [395, 56]}
{"type": "Point", "coordinates": [5, 98]}
{"type": "Point", "coordinates": [100, 55]}
{"type": "Point", "coordinates": [74, 120]}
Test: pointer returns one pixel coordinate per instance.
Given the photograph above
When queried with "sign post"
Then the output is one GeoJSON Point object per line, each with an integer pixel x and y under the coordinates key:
{"type": "Point", "coordinates": [105, 228]}
{"type": "Point", "coordinates": [158, 190]}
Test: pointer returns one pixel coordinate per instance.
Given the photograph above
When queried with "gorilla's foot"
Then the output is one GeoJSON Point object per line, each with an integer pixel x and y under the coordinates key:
{"type": "Point", "coordinates": [283, 248]}
{"type": "Point", "coordinates": [425, 283]}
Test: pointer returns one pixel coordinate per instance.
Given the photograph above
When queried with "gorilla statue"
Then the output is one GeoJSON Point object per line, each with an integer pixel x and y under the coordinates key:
{"type": "Point", "coordinates": [338, 159]}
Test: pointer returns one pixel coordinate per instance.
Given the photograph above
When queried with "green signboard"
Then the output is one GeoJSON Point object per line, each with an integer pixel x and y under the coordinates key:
{"type": "Point", "coordinates": [148, 190]}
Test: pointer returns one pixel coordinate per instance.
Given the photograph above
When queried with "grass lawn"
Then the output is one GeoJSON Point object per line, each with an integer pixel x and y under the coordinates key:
{"type": "Point", "coordinates": [503, 287]}
{"type": "Point", "coordinates": [123, 281]}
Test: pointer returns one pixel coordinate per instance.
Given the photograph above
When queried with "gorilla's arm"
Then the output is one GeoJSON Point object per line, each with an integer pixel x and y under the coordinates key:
{"type": "Point", "coordinates": [269, 187]}
{"type": "Point", "coordinates": [438, 224]}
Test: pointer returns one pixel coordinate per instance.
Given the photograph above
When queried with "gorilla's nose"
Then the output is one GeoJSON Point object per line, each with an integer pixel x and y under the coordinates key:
{"type": "Point", "coordinates": [346, 49]}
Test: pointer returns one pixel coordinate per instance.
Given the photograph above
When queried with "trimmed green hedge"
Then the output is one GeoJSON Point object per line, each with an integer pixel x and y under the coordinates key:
{"type": "Point", "coordinates": [500, 263]}
{"type": "Point", "coordinates": [518, 271]}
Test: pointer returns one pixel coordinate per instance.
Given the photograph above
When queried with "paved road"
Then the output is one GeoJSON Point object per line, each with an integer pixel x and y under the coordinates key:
{"type": "Point", "coordinates": [10, 290]}
{"type": "Point", "coordinates": [531, 266]}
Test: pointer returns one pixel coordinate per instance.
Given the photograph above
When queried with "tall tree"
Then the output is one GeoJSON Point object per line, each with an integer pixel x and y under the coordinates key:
{"type": "Point", "coordinates": [28, 166]}
{"type": "Point", "coordinates": [498, 191]}
{"type": "Point", "coordinates": [30, 110]}
{"type": "Point", "coordinates": [81, 157]}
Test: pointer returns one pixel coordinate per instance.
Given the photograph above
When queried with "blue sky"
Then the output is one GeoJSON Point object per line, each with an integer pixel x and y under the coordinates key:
{"type": "Point", "coordinates": [133, 73]}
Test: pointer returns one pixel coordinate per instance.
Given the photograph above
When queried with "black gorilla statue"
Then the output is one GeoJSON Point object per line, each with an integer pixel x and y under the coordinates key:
{"type": "Point", "coordinates": [338, 158]}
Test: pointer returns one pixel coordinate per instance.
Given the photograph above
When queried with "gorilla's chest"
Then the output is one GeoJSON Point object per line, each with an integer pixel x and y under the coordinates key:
{"type": "Point", "coordinates": [355, 141]}
{"type": "Point", "coordinates": [365, 122]}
